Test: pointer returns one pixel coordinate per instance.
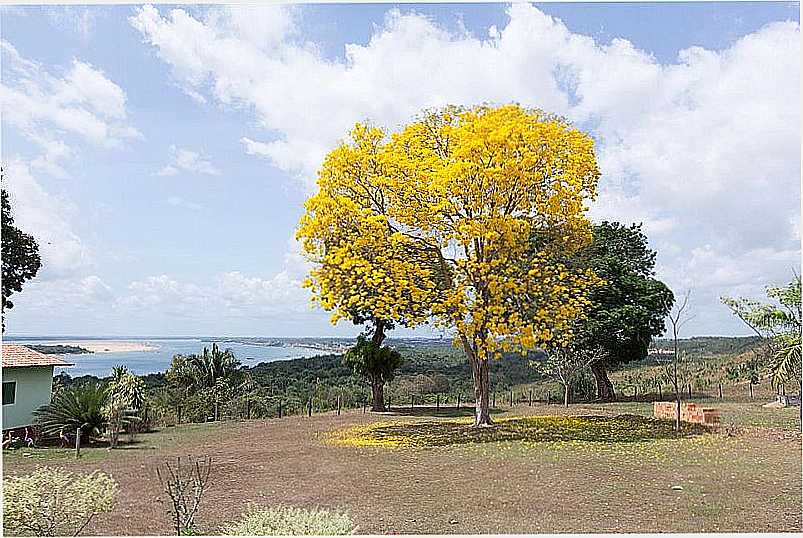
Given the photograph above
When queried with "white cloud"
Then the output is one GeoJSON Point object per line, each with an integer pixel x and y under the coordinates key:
{"type": "Point", "coordinates": [187, 161]}
{"type": "Point", "coordinates": [56, 110]}
{"type": "Point", "coordinates": [46, 107]}
{"type": "Point", "coordinates": [77, 19]}
{"type": "Point", "coordinates": [50, 220]}
{"type": "Point", "coordinates": [253, 147]}
{"type": "Point", "coordinates": [705, 150]}
{"type": "Point", "coordinates": [178, 201]}
{"type": "Point", "coordinates": [86, 85]}
{"type": "Point", "coordinates": [231, 294]}
{"type": "Point", "coordinates": [710, 274]}
{"type": "Point", "coordinates": [87, 292]}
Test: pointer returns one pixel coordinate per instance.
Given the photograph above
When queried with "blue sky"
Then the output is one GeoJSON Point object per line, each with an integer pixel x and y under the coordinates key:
{"type": "Point", "coordinates": [162, 157]}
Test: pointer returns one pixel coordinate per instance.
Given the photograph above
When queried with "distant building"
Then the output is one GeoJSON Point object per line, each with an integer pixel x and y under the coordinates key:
{"type": "Point", "coordinates": [27, 383]}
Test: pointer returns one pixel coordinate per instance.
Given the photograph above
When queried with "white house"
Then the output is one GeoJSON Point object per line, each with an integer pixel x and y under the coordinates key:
{"type": "Point", "coordinates": [27, 382]}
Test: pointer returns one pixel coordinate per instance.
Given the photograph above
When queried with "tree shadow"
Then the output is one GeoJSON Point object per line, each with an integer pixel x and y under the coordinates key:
{"type": "Point", "coordinates": [535, 429]}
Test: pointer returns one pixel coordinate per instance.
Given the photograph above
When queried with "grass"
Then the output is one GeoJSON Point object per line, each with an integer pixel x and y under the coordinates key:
{"type": "Point", "coordinates": [161, 439]}
{"type": "Point", "coordinates": [540, 469]}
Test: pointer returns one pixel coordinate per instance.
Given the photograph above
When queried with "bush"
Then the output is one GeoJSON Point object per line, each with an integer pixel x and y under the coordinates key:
{"type": "Point", "coordinates": [290, 521]}
{"type": "Point", "coordinates": [78, 406]}
{"type": "Point", "coordinates": [55, 502]}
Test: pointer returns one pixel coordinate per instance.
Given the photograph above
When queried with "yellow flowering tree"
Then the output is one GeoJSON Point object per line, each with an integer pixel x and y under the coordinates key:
{"type": "Point", "coordinates": [364, 270]}
{"type": "Point", "coordinates": [436, 223]}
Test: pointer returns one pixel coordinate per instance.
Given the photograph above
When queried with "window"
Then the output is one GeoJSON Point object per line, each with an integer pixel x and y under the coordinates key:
{"type": "Point", "coordinates": [9, 392]}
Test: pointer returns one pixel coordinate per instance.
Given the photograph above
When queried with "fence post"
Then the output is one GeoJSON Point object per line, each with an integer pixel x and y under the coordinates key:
{"type": "Point", "coordinates": [660, 392]}
{"type": "Point", "coordinates": [689, 391]}
{"type": "Point", "coordinates": [364, 403]}
{"type": "Point", "coordinates": [458, 400]}
{"type": "Point", "coordinates": [530, 398]}
{"type": "Point", "coordinates": [309, 408]}
{"type": "Point", "coordinates": [720, 391]}
{"type": "Point", "coordinates": [412, 401]}
{"type": "Point", "coordinates": [338, 405]}
{"type": "Point", "coordinates": [438, 402]}
{"type": "Point", "coordinates": [280, 408]}
{"type": "Point", "coordinates": [751, 389]}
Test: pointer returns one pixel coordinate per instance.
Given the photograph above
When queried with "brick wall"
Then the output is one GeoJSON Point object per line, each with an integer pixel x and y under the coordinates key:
{"type": "Point", "coordinates": [689, 412]}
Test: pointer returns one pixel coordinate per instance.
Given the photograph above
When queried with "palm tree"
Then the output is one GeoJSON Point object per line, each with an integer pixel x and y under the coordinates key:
{"type": "Point", "coordinates": [78, 409]}
{"type": "Point", "coordinates": [216, 365]}
{"type": "Point", "coordinates": [212, 373]}
{"type": "Point", "coordinates": [204, 370]}
{"type": "Point", "coordinates": [125, 398]}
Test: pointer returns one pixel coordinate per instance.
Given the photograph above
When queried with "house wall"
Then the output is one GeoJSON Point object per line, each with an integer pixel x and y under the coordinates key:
{"type": "Point", "coordinates": [34, 384]}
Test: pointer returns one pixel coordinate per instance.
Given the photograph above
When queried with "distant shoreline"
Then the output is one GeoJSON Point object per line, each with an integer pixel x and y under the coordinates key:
{"type": "Point", "coordinates": [111, 346]}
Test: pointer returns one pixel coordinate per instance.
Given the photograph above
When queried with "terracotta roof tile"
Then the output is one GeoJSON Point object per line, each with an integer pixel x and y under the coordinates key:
{"type": "Point", "coordinates": [15, 356]}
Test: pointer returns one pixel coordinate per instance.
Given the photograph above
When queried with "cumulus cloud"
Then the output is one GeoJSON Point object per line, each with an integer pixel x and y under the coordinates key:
{"type": "Point", "coordinates": [50, 219]}
{"type": "Point", "coordinates": [704, 150]}
{"type": "Point", "coordinates": [46, 107]}
{"type": "Point", "coordinates": [231, 294]}
{"type": "Point", "coordinates": [80, 293]}
{"type": "Point", "coordinates": [184, 160]}
{"type": "Point", "coordinates": [227, 298]}
{"type": "Point", "coordinates": [56, 110]}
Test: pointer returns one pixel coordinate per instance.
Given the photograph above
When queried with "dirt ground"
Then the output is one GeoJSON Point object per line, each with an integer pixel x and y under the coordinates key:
{"type": "Point", "coordinates": [748, 481]}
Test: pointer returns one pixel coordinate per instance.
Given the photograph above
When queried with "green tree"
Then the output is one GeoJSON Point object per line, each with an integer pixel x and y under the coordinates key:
{"type": "Point", "coordinates": [626, 312]}
{"type": "Point", "coordinates": [21, 259]}
{"type": "Point", "coordinates": [377, 364]}
{"type": "Point", "coordinates": [778, 324]}
{"type": "Point", "coordinates": [125, 398]}
{"type": "Point", "coordinates": [204, 370]}
{"type": "Point", "coordinates": [211, 376]}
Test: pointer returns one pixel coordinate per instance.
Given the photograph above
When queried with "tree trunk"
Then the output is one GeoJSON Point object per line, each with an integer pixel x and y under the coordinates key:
{"type": "Point", "coordinates": [604, 386]}
{"type": "Point", "coordinates": [482, 388]}
{"type": "Point", "coordinates": [481, 372]}
{"type": "Point", "coordinates": [77, 442]}
{"type": "Point", "coordinates": [378, 394]}
{"type": "Point", "coordinates": [566, 395]}
{"type": "Point", "coordinates": [677, 413]}
{"type": "Point", "coordinates": [379, 333]}
{"type": "Point", "coordinates": [377, 385]}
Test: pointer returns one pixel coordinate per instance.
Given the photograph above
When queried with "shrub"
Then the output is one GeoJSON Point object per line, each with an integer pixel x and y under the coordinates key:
{"type": "Point", "coordinates": [283, 520]}
{"type": "Point", "coordinates": [55, 502]}
{"type": "Point", "coordinates": [80, 406]}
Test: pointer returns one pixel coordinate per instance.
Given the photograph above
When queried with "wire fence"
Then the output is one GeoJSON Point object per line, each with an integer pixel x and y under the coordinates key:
{"type": "Point", "coordinates": [338, 400]}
